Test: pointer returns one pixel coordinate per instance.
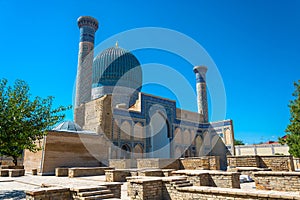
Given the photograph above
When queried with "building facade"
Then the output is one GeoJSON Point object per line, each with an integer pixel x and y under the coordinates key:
{"type": "Point", "coordinates": [141, 125]}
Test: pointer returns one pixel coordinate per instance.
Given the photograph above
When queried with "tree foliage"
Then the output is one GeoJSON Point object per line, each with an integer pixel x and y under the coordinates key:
{"type": "Point", "coordinates": [238, 142]}
{"type": "Point", "coordinates": [24, 120]}
{"type": "Point", "coordinates": [293, 129]}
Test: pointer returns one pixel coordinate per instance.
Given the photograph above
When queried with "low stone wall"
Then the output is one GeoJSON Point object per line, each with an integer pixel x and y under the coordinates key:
{"type": "Point", "coordinates": [151, 172]}
{"type": "Point", "coordinates": [9, 161]}
{"type": "Point", "coordinates": [208, 193]}
{"type": "Point", "coordinates": [61, 172]}
{"type": "Point", "coordinates": [118, 175]}
{"type": "Point", "coordinates": [158, 163]}
{"type": "Point", "coordinates": [247, 170]}
{"type": "Point", "coordinates": [49, 193]}
{"type": "Point", "coordinates": [205, 162]}
{"type": "Point", "coordinates": [243, 161]}
{"type": "Point", "coordinates": [225, 179]}
{"type": "Point", "coordinates": [12, 172]}
{"type": "Point", "coordinates": [115, 189]}
{"type": "Point", "coordinates": [165, 188]}
{"type": "Point", "coordinates": [123, 163]}
{"type": "Point", "coordinates": [211, 178]}
{"type": "Point", "coordinates": [87, 171]}
{"type": "Point", "coordinates": [275, 163]}
{"type": "Point", "coordinates": [150, 189]}
{"type": "Point", "coordinates": [280, 181]}
{"type": "Point", "coordinates": [3, 172]}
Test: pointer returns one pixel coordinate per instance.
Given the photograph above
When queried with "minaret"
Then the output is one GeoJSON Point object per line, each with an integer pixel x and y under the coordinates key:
{"type": "Point", "coordinates": [88, 26]}
{"type": "Point", "coordinates": [200, 72]}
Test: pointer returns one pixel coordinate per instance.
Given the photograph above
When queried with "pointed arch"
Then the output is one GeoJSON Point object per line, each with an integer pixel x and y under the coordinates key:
{"type": "Point", "coordinates": [126, 151]}
{"type": "Point", "coordinates": [186, 137]}
{"type": "Point", "coordinates": [198, 144]}
{"type": "Point", "coordinates": [125, 130]}
{"type": "Point", "coordinates": [138, 131]}
{"type": "Point", "coordinates": [178, 136]}
{"type": "Point", "coordinates": [138, 151]}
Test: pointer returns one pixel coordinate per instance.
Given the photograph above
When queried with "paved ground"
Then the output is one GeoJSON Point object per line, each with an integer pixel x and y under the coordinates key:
{"type": "Point", "coordinates": [13, 188]}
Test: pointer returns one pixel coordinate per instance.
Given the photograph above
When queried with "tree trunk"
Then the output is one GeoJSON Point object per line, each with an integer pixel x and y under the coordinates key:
{"type": "Point", "coordinates": [15, 160]}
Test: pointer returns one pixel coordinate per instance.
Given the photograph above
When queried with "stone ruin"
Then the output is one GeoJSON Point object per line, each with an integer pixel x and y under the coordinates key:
{"type": "Point", "coordinates": [186, 178]}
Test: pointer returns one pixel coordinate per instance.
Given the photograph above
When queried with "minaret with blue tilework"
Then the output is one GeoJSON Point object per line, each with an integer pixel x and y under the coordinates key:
{"type": "Point", "coordinates": [88, 26]}
{"type": "Point", "coordinates": [200, 72]}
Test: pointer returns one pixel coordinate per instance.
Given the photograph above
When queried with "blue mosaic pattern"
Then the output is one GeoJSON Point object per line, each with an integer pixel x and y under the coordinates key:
{"type": "Point", "coordinates": [87, 34]}
{"type": "Point", "coordinates": [112, 64]}
{"type": "Point", "coordinates": [200, 78]}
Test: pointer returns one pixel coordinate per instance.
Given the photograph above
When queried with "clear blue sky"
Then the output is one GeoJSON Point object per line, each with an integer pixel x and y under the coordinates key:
{"type": "Point", "coordinates": [255, 45]}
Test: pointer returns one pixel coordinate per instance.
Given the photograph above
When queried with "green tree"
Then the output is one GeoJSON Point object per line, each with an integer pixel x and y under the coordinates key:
{"type": "Point", "coordinates": [238, 142]}
{"type": "Point", "coordinates": [24, 120]}
{"type": "Point", "coordinates": [293, 129]}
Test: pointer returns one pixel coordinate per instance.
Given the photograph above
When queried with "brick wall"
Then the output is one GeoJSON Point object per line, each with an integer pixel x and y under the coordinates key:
{"type": "Point", "coordinates": [166, 189]}
{"type": "Point", "coordinates": [225, 179]}
{"type": "Point", "coordinates": [145, 189]}
{"type": "Point", "coordinates": [48, 193]}
{"type": "Point", "coordinates": [205, 162]}
{"type": "Point", "coordinates": [123, 163]}
{"type": "Point", "coordinates": [243, 161]}
{"type": "Point", "coordinates": [280, 181]}
{"type": "Point", "coordinates": [87, 171]}
{"type": "Point", "coordinates": [275, 163]}
{"type": "Point", "coordinates": [211, 178]}
{"type": "Point", "coordinates": [115, 189]}
{"type": "Point", "coordinates": [117, 175]}
{"type": "Point", "coordinates": [9, 161]}
{"type": "Point", "coordinates": [148, 172]}
{"type": "Point", "coordinates": [158, 163]}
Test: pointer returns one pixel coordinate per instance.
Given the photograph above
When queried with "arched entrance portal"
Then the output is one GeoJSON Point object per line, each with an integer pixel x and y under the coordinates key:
{"type": "Point", "coordinates": [126, 151]}
{"type": "Point", "coordinates": [160, 135]}
{"type": "Point", "coordinates": [138, 151]}
{"type": "Point", "coordinates": [198, 143]}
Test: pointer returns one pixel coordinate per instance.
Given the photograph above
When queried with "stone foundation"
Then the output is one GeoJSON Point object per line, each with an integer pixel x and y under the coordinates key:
{"type": "Point", "coordinates": [275, 163]}
{"type": "Point", "coordinates": [12, 172]}
{"type": "Point", "coordinates": [123, 163]}
{"type": "Point", "coordinates": [211, 178]}
{"type": "Point", "coordinates": [87, 171]}
{"type": "Point", "coordinates": [158, 163]}
{"type": "Point", "coordinates": [151, 172]}
{"type": "Point", "coordinates": [247, 170]}
{"type": "Point", "coordinates": [118, 175]}
{"type": "Point", "coordinates": [115, 189]}
{"type": "Point", "coordinates": [49, 193]}
{"type": "Point", "coordinates": [150, 189]}
{"type": "Point", "coordinates": [280, 181]}
{"type": "Point", "coordinates": [61, 172]}
{"type": "Point", "coordinates": [198, 163]}
{"type": "Point", "coordinates": [167, 188]}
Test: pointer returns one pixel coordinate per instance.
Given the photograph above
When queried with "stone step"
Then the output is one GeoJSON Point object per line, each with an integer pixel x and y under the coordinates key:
{"type": "Point", "coordinates": [93, 193]}
{"type": "Point", "coordinates": [89, 189]}
{"type": "Point", "coordinates": [102, 196]}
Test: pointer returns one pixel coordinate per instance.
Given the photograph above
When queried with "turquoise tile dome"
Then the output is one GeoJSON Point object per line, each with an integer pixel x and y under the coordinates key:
{"type": "Point", "coordinates": [115, 66]}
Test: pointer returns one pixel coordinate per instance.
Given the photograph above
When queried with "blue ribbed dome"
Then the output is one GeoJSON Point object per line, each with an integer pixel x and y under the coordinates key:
{"type": "Point", "coordinates": [116, 66]}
